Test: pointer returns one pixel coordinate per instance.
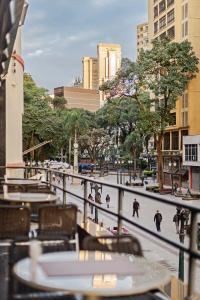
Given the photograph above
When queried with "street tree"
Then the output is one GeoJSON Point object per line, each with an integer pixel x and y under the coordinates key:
{"type": "Point", "coordinates": [59, 102]}
{"type": "Point", "coordinates": [95, 142]}
{"type": "Point", "coordinates": [156, 81]}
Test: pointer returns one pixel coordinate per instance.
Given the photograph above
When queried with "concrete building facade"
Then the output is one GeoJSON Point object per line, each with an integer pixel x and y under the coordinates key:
{"type": "Point", "coordinates": [179, 20]}
{"type": "Point", "coordinates": [90, 73]}
{"type": "Point", "coordinates": [79, 97]}
{"type": "Point", "coordinates": [191, 159]}
{"type": "Point", "coordinates": [142, 37]}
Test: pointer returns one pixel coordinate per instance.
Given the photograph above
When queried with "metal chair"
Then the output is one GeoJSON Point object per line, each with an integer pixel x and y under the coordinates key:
{"type": "Point", "coordinates": [121, 244]}
{"type": "Point", "coordinates": [59, 220]}
{"type": "Point", "coordinates": [14, 221]}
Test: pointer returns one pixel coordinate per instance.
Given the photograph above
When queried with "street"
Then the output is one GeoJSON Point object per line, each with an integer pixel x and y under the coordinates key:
{"type": "Point", "coordinates": [153, 248]}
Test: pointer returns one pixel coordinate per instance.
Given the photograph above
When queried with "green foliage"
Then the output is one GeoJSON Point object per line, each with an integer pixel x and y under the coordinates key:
{"type": "Point", "coordinates": [119, 113]}
{"type": "Point", "coordinates": [94, 141]}
{"type": "Point", "coordinates": [31, 91]}
{"type": "Point", "coordinates": [59, 102]}
{"type": "Point", "coordinates": [155, 82]}
{"type": "Point", "coordinates": [148, 173]}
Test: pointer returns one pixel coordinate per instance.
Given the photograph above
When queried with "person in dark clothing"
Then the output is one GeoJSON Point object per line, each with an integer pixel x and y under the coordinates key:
{"type": "Point", "coordinates": [90, 204]}
{"type": "Point", "coordinates": [136, 207]}
{"type": "Point", "coordinates": [158, 220]}
{"type": "Point", "coordinates": [107, 200]}
{"type": "Point", "coordinates": [183, 218]}
{"type": "Point", "coordinates": [176, 221]}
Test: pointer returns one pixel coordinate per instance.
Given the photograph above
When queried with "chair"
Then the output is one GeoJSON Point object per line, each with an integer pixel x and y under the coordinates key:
{"type": "Point", "coordinates": [59, 220]}
{"type": "Point", "coordinates": [121, 244]}
{"type": "Point", "coordinates": [14, 221]}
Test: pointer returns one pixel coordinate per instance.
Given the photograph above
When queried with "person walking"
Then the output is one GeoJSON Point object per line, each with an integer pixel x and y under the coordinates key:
{"type": "Point", "coordinates": [158, 220]}
{"type": "Point", "coordinates": [90, 204]}
{"type": "Point", "coordinates": [136, 207]}
{"type": "Point", "coordinates": [107, 200]}
{"type": "Point", "coordinates": [176, 221]}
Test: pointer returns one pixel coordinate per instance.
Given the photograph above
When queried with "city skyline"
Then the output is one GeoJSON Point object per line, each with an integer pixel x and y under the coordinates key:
{"type": "Point", "coordinates": [57, 36]}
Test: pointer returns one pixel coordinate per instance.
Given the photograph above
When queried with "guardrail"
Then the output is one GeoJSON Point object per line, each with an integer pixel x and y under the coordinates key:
{"type": "Point", "coordinates": [191, 250]}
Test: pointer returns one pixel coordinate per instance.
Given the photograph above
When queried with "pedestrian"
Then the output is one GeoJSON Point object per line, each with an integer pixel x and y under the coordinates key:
{"type": "Point", "coordinates": [187, 216]}
{"type": "Point", "coordinates": [90, 204]}
{"type": "Point", "coordinates": [182, 220]}
{"type": "Point", "coordinates": [176, 221]}
{"type": "Point", "coordinates": [107, 200]}
{"type": "Point", "coordinates": [158, 220]}
{"type": "Point", "coordinates": [136, 207]}
{"type": "Point", "coordinates": [98, 198]}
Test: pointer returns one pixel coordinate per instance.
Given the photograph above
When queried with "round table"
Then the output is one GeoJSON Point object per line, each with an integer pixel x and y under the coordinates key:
{"type": "Point", "coordinates": [23, 184]}
{"type": "Point", "coordinates": [93, 273]}
{"type": "Point", "coordinates": [28, 197]}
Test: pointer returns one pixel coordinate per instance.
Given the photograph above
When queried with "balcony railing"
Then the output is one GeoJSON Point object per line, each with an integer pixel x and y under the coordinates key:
{"type": "Point", "coordinates": [191, 250]}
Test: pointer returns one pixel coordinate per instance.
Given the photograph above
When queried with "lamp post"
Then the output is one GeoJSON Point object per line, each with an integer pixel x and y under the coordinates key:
{"type": "Point", "coordinates": [75, 155]}
{"type": "Point", "coordinates": [172, 165]}
{"type": "Point", "coordinates": [129, 165]}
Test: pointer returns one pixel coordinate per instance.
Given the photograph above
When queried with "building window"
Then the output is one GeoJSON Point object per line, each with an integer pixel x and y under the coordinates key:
{"type": "Point", "coordinates": [170, 16]}
{"type": "Point", "coordinates": [170, 2]}
{"type": "Point", "coordinates": [167, 141]}
{"type": "Point", "coordinates": [163, 35]}
{"type": "Point", "coordinates": [191, 152]}
{"type": "Point", "coordinates": [185, 100]}
{"type": "Point", "coordinates": [171, 33]}
{"type": "Point", "coordinates": [185, 29]}
{"type": "Point", "coordinates": [162, 22]}
{"type": "Point", "coordinates": [162, 6]}
{"type": "Point", "coordinates": [185, 11]}
{"type": "Point", "coordinates": [172, 121]}
{"type": "Point", "coordinates": [155, 11]}
{"type": "Point", "coordinates": [185, 118]}
{"type": "Point", "coordinates": [155, 27]}
{"type": "Point", "coordinates": [175, 140]}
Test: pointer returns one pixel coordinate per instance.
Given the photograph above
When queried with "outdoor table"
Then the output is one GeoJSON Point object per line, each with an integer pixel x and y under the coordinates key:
{"type": "Point", "coordinates": [92, 273]}
{"type": "Point", "coordinates": [30, 198]}
{"type": "Point", "coordinates": [23, 184]}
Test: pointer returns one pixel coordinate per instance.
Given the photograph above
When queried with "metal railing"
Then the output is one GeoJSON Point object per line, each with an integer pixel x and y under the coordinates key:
{"type": "Point", "coordinates": [191, 250]}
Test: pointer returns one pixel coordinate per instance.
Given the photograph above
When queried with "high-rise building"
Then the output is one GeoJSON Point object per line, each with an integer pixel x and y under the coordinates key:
{"type": "Point", "coordinates": [142, 37]}
{"type": "Point", "coordinates": [90, 73]}
{"type": "Point", "coordinates": [179, 20]}
{"type": "Point", "coordinates": [109, 60]}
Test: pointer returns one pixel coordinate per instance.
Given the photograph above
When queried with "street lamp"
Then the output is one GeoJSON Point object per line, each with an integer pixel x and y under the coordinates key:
{"type": "Point", "coordinates": [129, 165]}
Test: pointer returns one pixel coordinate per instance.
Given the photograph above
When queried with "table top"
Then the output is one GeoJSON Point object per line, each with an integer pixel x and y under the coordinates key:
{"type": "Point", "coordinates": [93, 273]}
{"type": "Point", "coordinates": [21, 182]}
{"type": "Point", "coordinates": [28, 197]}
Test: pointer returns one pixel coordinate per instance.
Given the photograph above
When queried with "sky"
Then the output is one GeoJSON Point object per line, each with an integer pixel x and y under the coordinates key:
{"type": "Point", "coordinates": [57, 34]}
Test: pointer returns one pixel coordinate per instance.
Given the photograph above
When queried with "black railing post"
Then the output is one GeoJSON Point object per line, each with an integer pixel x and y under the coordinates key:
{"type": "Point", "coordinates": [85, 202]}
{"type": "Point", "coordinates": [64, 189]}
{"type": "Point", "coordinates": [120, 199]}
{"type": "Point", "coordinates": [192, 260]}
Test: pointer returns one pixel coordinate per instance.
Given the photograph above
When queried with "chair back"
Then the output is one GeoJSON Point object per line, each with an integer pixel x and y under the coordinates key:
{"type": "Point", "coordinates": [58, 219]}
{"type": "Point", "coordinates": [121, 244]}
{"type": "Point", "coordinates": [14, 221]}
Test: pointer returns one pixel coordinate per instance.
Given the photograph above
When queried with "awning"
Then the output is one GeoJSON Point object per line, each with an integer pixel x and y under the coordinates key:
{"type": "Point", "coordinates": [10, 15]}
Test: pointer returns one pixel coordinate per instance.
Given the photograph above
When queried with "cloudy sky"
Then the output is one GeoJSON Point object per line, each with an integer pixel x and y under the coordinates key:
{"type": "Point", "coordinates": [57, 34]}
